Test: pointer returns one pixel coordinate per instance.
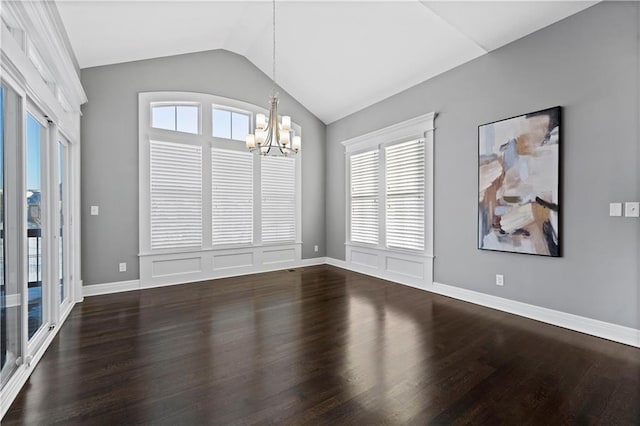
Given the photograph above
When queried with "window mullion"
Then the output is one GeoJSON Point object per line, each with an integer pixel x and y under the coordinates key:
{"type": "Point", "coordinates": [382, 197]}
{"type": "Point", "coordinates": [257, 202]}
{"type": "Point", "coordinates": [207, 199]}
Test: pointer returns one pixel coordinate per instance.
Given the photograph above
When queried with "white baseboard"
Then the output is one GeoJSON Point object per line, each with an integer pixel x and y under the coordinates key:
{"type": "Point", "coordinates": [617, 333]}
{"type": "Point", "coordinates": [122, 286]}
{"type": "Point", "coordinates": [108, 288]}
{"type": "Point", "coordinates": [605, 330]}
{"type": "Point", "coordinates": [378, 273]}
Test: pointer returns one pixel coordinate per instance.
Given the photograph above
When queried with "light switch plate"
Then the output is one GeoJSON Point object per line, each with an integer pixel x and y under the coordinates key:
{"type": "Point", "coordinates": [615, 209]}
{"type": "Point", "coordinates": [95, 210]}
{"type": "Point", "coordinates": [632, 209]}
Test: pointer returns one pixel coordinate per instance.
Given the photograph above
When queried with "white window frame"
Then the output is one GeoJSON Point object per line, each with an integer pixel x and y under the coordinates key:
{"type": "Point", "coordinates": [407, 266]}
{"type": "Point", "coordinates": [176, 105]}
{"type": "Point", "coordinates": [176, 266]}
{"type": "Point", "coordinates": [232, 110]}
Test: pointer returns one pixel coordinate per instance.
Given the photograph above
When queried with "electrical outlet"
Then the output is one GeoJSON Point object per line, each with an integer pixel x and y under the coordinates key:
{"type": "Point", "coordinates": [95, 210]}
{"type": "Point", "coordinates": [499, 280]}
{"type": "Point", "coordinates": [315, 248]}
{"type": "Point", "coordinates": [122, 267]}
{"type": "Point", "coordinates": [632, 209]}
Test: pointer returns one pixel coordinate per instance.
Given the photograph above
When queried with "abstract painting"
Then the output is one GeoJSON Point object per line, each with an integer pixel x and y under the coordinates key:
{"type": "Point", "coordinates": [519, 184]}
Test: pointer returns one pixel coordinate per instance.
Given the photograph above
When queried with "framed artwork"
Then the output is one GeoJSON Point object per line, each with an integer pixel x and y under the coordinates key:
{"type": "Point", "coordinates": [519, 184]}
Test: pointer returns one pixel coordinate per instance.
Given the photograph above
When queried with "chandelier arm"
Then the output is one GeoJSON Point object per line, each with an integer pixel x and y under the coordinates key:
{"type": "Point", "coordinates": [272, 129]}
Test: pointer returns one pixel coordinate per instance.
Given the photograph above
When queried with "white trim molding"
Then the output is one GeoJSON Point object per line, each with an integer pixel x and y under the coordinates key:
{"type": "Point", "coordinates": [177, 268]}
{"type": "Point", "coordinates": [206, 260]}
{"type": "Point", "coordinates": [413, 128]}
{"type": "Point", "coordinates": [605, 330]}
{"type": "Point", "coordinates": [110, 288]}
{"type": "Point", "coordinates": [122, 286]}
{"type": "Point", "coordinates": [617, 333]}
{"type": "Point", "coordinates": [409, 267]}
{"type": "Point", "coordinates": [415, 270]}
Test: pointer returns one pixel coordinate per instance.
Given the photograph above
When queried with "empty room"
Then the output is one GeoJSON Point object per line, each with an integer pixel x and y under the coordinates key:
{"type": "Point", "coordinates": [319, 212]}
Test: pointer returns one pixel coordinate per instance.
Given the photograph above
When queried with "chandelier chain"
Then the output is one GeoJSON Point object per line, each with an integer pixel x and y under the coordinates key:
{"type": "Point", "coordinates": [274, 45]}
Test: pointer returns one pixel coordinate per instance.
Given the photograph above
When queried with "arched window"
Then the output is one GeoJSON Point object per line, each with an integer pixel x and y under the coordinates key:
{"type": "Point", "coordinates": [207, 205]}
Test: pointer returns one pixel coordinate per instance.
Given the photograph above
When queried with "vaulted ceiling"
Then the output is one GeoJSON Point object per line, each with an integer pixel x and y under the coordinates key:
{"type": "Point", "coordinates": [335, 57]}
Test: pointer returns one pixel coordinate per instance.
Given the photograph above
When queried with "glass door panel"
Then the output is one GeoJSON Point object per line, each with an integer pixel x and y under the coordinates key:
{"type": "Point", "coordinates": [3, 291]}
{"type": "Point", "coordinates": [61, 189]}
{"type": "Point", "coordinates": [10, 288]}
{"type": "Point", "coordinates": [36, 134]}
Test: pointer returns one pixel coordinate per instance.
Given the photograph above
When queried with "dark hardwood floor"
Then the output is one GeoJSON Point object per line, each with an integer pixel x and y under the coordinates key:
{"type": "Point", "coordinates": [320, 345]}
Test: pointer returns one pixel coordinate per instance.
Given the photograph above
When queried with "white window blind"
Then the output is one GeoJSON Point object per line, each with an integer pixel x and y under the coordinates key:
{"type": "Point", "coordinates": [404, 177]}
{"type": "Point", "coordinates": [232, 197]}
{"type": "Point", "coordinates": [364, 197]}
{"type": "Point", "coordinates": [176, 195]}
{"type": "Point", "coordinates": [278, 199]}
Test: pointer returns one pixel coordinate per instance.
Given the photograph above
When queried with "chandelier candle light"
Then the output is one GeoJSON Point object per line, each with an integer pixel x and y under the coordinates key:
{"type": "Point", "coordinates": [273, 137]}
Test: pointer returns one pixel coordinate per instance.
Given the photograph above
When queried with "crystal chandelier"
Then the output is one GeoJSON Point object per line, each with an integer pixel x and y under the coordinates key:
{"type": "Point", "coordinates": [273, 137]}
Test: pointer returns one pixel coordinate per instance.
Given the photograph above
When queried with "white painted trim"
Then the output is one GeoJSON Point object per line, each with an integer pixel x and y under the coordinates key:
{"type": "Point", "coordinates": [109, 288]}
{"type": "Point", "coordinates": [122, 286]}
{"type": "Point", "coordinates": [421, 127]}
{"type": "Point", "coordinates": [377, 273]}
{"type": "Point", "coordinates": [605, 330]}
{"type": "Point", "coordinates": [413, 128]}
{"type": "Point", "coordinates": [206, 141]}
{"type": "Point", "coordinates": [617, 333]}
{"type": "Point", "coordinates": [12, 300]}
{"type": "Point", "coordinates": [38, 21]}
{"type": "Point", "coordinates": [412, 269]}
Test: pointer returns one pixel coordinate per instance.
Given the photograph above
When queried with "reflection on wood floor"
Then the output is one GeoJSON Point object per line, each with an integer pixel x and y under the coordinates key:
{"type": "Point", "coordinates": [320, 345]}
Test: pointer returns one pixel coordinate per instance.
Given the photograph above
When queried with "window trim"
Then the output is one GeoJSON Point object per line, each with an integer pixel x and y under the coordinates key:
{"type": "Point", "coordinates": [153, 105]}
{"type": "Point", "coordinates": [232, 110]}
{"type": "Point", "coordinates": [259, 255]}
{"type": "Point", "coordinates": [405, 266]}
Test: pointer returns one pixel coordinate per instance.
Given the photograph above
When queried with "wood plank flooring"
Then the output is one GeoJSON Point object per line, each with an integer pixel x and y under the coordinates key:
{"type": "Point", "coordinates": [320, 345]}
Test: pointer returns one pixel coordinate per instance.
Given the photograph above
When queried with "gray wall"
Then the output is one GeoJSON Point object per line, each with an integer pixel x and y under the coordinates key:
{"type": "Point", "coordinates": [110, 149]}
{"type": "Point", "coordinates": [587, 63]}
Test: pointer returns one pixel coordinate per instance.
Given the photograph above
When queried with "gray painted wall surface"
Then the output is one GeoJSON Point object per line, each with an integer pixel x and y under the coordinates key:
{"type": "Point", "coordinates": [587, 63]}
{"type": "Point", "coordinates": [110, 149]}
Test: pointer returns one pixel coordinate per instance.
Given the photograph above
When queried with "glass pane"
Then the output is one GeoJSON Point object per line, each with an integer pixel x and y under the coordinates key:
{"type": "Point", "coordinates": [34, 223]}
{"type": "Point", "coordinates": [239, 126]}
{"type": "Point", "coordinates": [187, 119]}
{"type": "Point", "coordinates": [62, 219]}
{"type": "Point", "coordinates": [163, 117]}
{"type": "Point", "coordinates": [222, 123]}
{"type": "Point", "coordinates": [3, 293]}
{"type": "Point", "coordinates": [10, 291]}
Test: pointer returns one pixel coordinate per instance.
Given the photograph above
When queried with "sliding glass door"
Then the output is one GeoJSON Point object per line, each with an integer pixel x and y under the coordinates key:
{"type": "Point", "coordinates": [11, 290]}
{"type": "Point", "coordinates": [36, 206]}
{"type": "Point", "coordinates": [36, 248]}
{"type": "Point", "coordinates": [3, 291]}
{"type": "Point", "coordinates": [61, 191]}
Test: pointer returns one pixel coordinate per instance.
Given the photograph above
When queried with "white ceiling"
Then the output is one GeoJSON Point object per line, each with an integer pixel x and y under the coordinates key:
{"type": "Point", "coordinates": [334, 57]}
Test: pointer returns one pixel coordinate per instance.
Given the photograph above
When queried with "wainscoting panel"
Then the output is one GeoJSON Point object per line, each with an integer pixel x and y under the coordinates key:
{"type": "Point", "coordinates": [232, 260]}
{"type": "Point", "coordinates": [280, 255]}
{"type": "Point", "coordinates": [163, 268]}
{"type": "Point", "coordinates": [407, 268]}
{"type": "Point", "coordinates": [200, 265]}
